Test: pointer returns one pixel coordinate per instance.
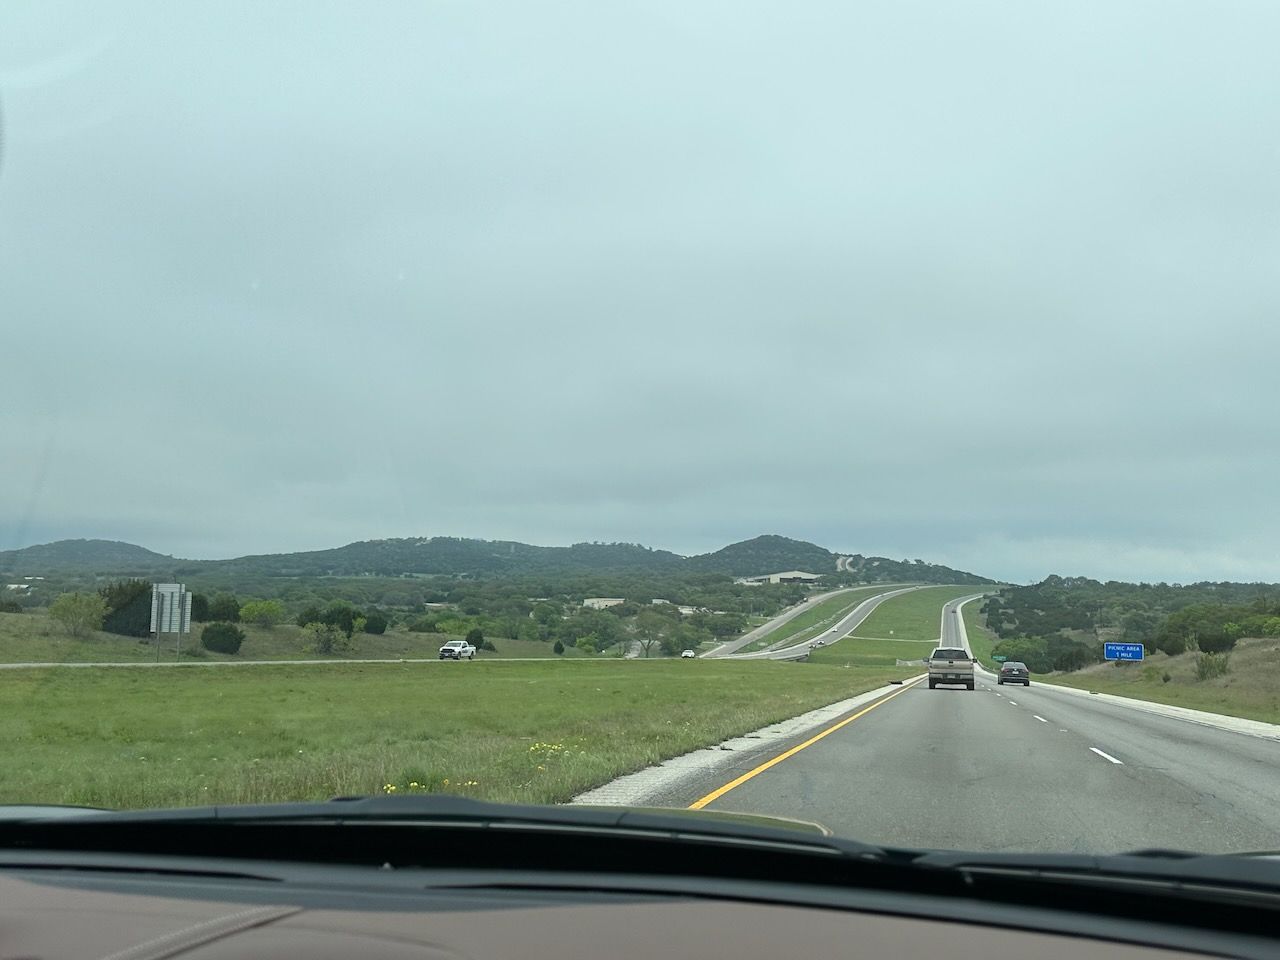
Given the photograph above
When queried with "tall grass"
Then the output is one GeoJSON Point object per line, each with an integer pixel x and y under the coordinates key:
{"type": "Point", "coordinates": [533, 731]}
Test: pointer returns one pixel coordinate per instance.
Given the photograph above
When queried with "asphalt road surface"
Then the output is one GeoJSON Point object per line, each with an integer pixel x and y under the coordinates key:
{"type": "Point", "coordinates": [1014, 768]}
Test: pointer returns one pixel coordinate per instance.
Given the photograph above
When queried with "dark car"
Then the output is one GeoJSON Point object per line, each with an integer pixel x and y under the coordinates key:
{"type": "Point", "coordinates": [1011, 671]}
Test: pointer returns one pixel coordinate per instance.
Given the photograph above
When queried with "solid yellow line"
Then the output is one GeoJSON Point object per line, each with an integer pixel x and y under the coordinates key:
{"type": "Point", "coordinates": [721, 791]}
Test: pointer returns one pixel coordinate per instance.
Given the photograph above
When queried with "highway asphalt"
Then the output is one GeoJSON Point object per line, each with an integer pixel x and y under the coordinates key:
{"type": "Point", "coordinates": [1014, 768]}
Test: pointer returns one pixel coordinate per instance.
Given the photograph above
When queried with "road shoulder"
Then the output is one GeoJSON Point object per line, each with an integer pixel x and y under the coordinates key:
{"type": "Point", "coordinates": [655, 785]}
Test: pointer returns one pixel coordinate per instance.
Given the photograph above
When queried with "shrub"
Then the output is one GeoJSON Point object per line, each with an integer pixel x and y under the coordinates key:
{"type": "Point", "coordinates": [222, 637]}
{"type": "Point", "coordinates": [79, 613]}
{"type": "Point", "coordinates": [224, 607]}
{"type": "Point", "coordinates": [1167, 677]}
{"type": "Point", "coordinates": [1216, 642]}
{"type": "Point", "coordinates": [375, 622]}
{"type": "Point", "coordinates": [327, 639]}
{"type": "Point", "coordinates": [1171, 644]}
{"type": "Point", "coordinates": [340, 614]}
{"type": "Point", "coordinates": [265, 613]}
{"type": "Point", "coordinates": [1211, 665]}
{"type": "Point", "coordinates": [128, 608]}
{"type": "Point", "coordinates": [558, 648]}
{"type": "Point", "coordinates": [475, 637]}
{"type": "Point", "coordinates": [310, 614]}
{"type": "Point", "coordinates": [10, 606]}
{"type": "Point", "coordinates": [424, 625]}
{"type": "Point", "coordinates": [199, 607]}
{"type": "Point", "coordinates": [487, 644]}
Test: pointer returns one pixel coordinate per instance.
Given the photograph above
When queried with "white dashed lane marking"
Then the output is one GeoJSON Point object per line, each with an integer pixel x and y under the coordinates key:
{"type": "Point", "coordinates": [1106, 756]}
{"type": "Point", "coordinates": [1040, 718]}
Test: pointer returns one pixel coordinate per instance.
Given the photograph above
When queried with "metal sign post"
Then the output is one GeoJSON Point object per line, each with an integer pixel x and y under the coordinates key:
{"type": "Point", "coordinates": [170, 613]}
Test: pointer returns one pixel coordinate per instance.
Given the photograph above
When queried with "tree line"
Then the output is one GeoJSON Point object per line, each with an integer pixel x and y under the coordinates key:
{"type": "Point", "coordinates": [1062, 623]}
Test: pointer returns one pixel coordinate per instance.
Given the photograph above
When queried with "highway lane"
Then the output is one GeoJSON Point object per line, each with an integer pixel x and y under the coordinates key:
{"type": "Point", "coordinates": [845, 626]}
{"type": "Point", "coordinates": [1013, 768]}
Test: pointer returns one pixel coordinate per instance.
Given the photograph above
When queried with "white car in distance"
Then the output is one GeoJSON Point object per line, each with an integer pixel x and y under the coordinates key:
{"type": "Point", "coordinates": [457, 650]}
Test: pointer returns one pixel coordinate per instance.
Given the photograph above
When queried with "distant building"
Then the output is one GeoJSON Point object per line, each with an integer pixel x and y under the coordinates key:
{"type": "Point", "coordinates": [17, 586]}
{"type": "Point", "coordinates": [657, 601]}
{"type": "Point", "coordinates": [600, 603]}
{"type": "Point", "coordinates": [786, 576]}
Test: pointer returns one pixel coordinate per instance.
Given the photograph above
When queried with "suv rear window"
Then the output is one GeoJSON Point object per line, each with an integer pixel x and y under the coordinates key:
{"type": "Point", "coordinates": [949, 653]}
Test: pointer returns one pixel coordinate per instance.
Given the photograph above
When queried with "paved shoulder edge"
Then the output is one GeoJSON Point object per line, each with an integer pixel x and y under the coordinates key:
{"type": "Point", "coordinates": [635, 789]}
{"type": "Point", "coordinates": [1223, 721]}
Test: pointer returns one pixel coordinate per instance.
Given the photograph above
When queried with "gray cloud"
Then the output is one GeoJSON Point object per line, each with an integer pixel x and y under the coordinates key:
{"type": "Point", "coordinates": [991, 285]}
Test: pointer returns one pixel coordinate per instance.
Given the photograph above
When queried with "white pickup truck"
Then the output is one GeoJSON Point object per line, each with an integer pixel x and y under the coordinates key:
{"type": "Point", "coordinates": [457, 650]}
{"type": "Point", "coordinates": [950, 665]}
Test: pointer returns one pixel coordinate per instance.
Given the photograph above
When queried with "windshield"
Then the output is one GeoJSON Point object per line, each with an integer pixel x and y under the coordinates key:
{"type": "Point", "coordinates": [506, 400]}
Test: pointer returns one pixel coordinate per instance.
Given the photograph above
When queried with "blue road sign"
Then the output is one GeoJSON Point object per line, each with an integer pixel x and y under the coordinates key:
{"type": "Point", "coordinates": [1123, 651]}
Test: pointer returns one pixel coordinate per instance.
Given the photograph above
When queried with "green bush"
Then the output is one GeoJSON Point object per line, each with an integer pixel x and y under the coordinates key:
{"type": "Point", "coordinates": [327, 639]}
{"type": "Point", "coordinates": [199, 607]}
{"type": "Point", "coordinates": [342, 615]}
{"type": "Point", "coordinates": [375, 622]}
{"type": "Point", "coordinates": [10, 606]}
{"type": "Point", "coordinates": [1167, 677]}
{"type": "Point", "coordinates": [224, 607]}
{"type": "Point", "coordinates": [310, 614]}
{"type": "Point", "coordinates": [79, 613]}
{"type": "Point", "coordinates": [265, 613]}
{"type": "Point", "coordinates": [222, 637]}
{"type": "Point", "coordinates": [1211, 665]}
{"type": "Point", "coordinates": [1216, 642]}
{"type": "Point", "coordinates": [1171, 644]}
{"type": "Point", "coordinates": [475, 637]}
{"type": "Point", "coordinates": [487, 644]}
{"type": "Point", "coordinates": [128, 608]}
{"type": "Point", "coordinates": [557, 648]}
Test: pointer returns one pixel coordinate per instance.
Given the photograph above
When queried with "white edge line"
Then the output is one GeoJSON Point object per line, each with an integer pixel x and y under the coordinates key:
{"type": "Point", "coordinates": [1106, 756]}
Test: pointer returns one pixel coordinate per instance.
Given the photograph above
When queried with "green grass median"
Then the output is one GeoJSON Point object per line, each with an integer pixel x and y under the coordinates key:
{"type": "Point", "coordinates": [532, 732]}
{"type": "Point", "coordinates": [904, 628]}
{"type": "Point", "coordinates": [817, 618]}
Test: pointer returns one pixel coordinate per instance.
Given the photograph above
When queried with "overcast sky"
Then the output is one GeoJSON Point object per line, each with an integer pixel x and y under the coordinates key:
{"type": "Point", "coordinates": [989, 284]}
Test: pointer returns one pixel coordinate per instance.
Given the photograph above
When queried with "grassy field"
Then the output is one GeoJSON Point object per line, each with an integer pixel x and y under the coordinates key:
{"type": "Point", "coordinates": [34, 638]}
{"type": "Point", "coordinates": [1251, 689]}
{"type": "Point", "coordinates": [817, 618]}
{"type": "Point", "coordinates": [535, 732]}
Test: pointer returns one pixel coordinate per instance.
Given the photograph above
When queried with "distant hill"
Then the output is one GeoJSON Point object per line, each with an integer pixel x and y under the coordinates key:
{"type": "Point", "coordinates": [774, 554]}
{"type": "Point", "coordinates": [83, 556]}
{"type": "Point", "coordinates": [448, 556]}
{"type": "Point", "coordinates": [456, 556]}
{"type": "Point", "coordinates": [767, 554]}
